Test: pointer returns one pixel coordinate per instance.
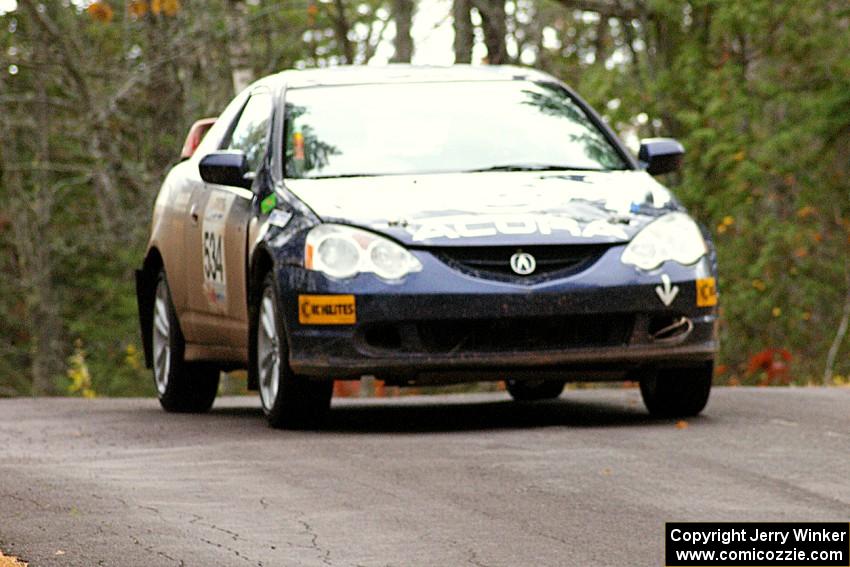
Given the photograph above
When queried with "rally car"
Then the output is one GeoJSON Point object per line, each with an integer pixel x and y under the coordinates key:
{"type": "Point", "coordinates": [424, 226]}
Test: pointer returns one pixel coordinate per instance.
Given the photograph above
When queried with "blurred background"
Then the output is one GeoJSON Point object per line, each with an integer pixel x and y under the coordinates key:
{"type": "Point", "coordinates": [97, 97]}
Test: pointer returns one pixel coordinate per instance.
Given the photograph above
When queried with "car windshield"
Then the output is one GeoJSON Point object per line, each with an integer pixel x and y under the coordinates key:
{"type": "Point", "coordinates": [412, 128]}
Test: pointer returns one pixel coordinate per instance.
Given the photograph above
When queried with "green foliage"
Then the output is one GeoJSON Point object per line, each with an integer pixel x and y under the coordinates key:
{"type": "Point", "coordinates": [758, 93]}
{"type": "Point", "coordinates": [93, 119]}
{"type": "Point", "coordinates": [757, 90]}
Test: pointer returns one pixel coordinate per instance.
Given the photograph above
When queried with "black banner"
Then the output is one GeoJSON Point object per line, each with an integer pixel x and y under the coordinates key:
{"type": "Point", "coordinates": [765, 544]}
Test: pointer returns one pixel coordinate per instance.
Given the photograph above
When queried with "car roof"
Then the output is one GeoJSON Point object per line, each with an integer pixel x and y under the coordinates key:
{"type": "Point", "coordinates": [403, 73]}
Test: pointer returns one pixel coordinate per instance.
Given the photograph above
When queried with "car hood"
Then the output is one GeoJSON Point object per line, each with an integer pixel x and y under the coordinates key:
{"type": "Point", "coordinates": [493, 208]}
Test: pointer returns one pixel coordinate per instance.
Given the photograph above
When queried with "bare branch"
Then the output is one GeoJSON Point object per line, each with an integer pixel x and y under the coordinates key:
{"type": "Point", "coordinates": [46, 166]}
{"type": "Point", "coordinates": [371, 46]}
{"type": "Point", "coordinates": [67, 50]}
{"type": "Point", "coordinates": [605, 8]}
{"type": "Point", "coordinates": [840, 333]}
{"type": "Point", "coordinates": [32, 99]}
{"type": "Point", "coordinates": [341, 27]}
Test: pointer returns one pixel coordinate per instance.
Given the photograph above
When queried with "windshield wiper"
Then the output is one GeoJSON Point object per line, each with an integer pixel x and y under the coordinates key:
{"type": "Point", "coordinates": [532, 167]}
{"type": "Point", "coordinates": [503, 167]}
{"type": "Point", "coordinates": [342, 176]}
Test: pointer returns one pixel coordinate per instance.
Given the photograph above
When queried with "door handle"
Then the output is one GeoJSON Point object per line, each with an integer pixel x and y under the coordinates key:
{"type": "Point", "coordinates": [193, 214]}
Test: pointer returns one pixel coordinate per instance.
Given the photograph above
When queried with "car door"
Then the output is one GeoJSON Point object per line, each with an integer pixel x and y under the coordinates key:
{"type": "Point", "coordinates": [217, 237]}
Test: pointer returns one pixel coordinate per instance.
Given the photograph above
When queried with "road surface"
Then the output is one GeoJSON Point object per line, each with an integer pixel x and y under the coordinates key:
{"type": "Point", "coordinates": [585, 480]}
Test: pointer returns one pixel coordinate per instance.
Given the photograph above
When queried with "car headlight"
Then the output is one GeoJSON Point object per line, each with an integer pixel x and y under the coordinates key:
{"type": "Point", "coordinates": [672, 237]}
{"type": "Point", "coordinates": [343, 252]}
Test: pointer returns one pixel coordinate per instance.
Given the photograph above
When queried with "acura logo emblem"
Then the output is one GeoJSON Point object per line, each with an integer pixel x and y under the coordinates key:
{"type": "Point", "coordinates": [523, 263]}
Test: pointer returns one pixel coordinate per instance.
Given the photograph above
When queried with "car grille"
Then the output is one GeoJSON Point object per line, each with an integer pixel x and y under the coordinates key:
{"type": "Point", "coordinates": [494, 262]}
{"type": "Point", "coordinates": [501, 335]}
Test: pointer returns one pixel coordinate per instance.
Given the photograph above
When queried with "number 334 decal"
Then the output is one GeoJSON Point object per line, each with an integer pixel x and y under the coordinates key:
{"type": "Point", "coordinates": [213, 257]}
{"type": "Point", "coordinates": [215, 273]}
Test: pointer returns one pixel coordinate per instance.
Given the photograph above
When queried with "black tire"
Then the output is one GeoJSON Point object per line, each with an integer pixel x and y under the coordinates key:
{"type": "Point", "coordinates": [534, 390]}
{"type": "Point", "coordinates": [184, 387]}
{"type": "Point", "coordinates": [295, 402]}
{"type": "Point", "coordinates": [677, 392]}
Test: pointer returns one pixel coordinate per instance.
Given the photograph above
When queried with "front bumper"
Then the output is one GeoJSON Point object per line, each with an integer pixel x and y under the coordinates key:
{"type": "Point", "coordinates": [442, 324]}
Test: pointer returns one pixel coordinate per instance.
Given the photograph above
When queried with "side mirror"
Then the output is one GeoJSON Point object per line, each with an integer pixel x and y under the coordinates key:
{"type": "Point", "coordinates": [660, 155]}
{"type": "Point", "coordinates": [226, 167]}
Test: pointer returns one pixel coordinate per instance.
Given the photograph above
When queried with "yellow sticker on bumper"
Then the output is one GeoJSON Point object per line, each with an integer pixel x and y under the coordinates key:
{"type": "Point", "coordinates": [327, 310]}
{"type": "Point", "coordinates": [706, 292]}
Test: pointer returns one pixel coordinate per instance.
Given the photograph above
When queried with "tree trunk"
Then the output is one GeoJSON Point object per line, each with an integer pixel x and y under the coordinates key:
{"type": "Point", "coordinates": [242, 74]}
{"type": "Point", "coordinates": [30, 203]}
{"type": "Point", "coordinates": [43, 322]}
{"type": "Point", "coordinates": [840, 333]}
{"type": "Point", "coordinates": [105, 187]}
{"type": "Point", "coordinates": [48, 362]}
{"type": "Point", "coordinates": [495, 28]}
{"type": "Point", "coordinates": [403, 16]}
{"type": "Point", "coordinates": [464, 36]}
{"type": "Point", "coordinates": [341, 29]}
{"type": "Point", "coordinates": [600, 43]}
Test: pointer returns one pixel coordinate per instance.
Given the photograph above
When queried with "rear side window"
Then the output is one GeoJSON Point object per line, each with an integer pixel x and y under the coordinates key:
{"type": "Point", "coordinates": [251, 131]}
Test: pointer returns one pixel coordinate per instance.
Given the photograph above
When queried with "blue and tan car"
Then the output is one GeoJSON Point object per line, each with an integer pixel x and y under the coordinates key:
{"type": "Point", "coordinates": [425, 226]}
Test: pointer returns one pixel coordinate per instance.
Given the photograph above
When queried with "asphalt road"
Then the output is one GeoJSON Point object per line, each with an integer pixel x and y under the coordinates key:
{"type": "Point", "coordinates": [586, 480]}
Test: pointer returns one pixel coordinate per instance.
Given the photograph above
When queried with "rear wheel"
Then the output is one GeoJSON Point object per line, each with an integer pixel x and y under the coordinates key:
{"type": "Point", "coordinates": [677, 392]}
{"type": "Point", "coordinates": [289, 400]}
{"type": "Point", "coordinates": [534, 390]}
{"type": "Point", "coordinates": [185, 387]}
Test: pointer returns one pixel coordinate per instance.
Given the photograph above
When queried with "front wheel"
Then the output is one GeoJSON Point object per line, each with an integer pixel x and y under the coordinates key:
{"type": "Point", "coordinates": [677, 392]}
{"type": "Point", "coordinates": [534, 390]}
{"type": "Point", "coordinates": [182, 387]}
{"type": "Point", "coordinates": [289, 401]}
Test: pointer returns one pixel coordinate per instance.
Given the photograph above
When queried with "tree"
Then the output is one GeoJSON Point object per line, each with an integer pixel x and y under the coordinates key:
{"type": "Point", "coordinates": [403, 16]}
{"type": "Point", "coordinates": [239, 48]}
{"type": "Point", "coordinates": [95, 99]}
{"type": "Point", "coordinates": [464, 31]}
{"type": "Point", "coordinates": [495, 29]}
{"type": "Point", "coordinates": [100, 99]}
